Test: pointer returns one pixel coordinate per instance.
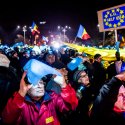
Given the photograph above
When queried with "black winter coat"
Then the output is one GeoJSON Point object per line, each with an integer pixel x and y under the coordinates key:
{"type": "Point", "coordinates": [102, 112]}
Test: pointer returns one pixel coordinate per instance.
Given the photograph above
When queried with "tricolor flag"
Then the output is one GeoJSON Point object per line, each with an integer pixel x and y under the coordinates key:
{"type": "Point", "coordinates": [34, 28]}
{"type": "Point", "coordinates": [82, 33]}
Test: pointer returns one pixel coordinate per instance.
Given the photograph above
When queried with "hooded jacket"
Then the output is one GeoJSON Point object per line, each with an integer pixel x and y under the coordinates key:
{"type": "Point", "coordinates": [20, 111]}
{"type": "Point", "coordinates": [103, 107]}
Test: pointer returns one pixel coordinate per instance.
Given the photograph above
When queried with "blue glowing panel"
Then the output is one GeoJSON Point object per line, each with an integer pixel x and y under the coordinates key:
{"type": "Point", "coordinates": [74, 63]}
{"type": "Point", "coordinates": [114, 18]}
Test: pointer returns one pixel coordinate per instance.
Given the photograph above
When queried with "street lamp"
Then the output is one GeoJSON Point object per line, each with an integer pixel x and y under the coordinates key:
{"type": "Point", "coordinates": [43, 22]}
{"type": "Point", "coordinates": [24, 31]}
{"type": "Point", "coordinates": [103, 34]}
{"type": "Point", "coordinates": [18, 27]}
{"type": "Point", "coordinates": [98, 25]}
{"type": "Point", "coordinates": [64, 29]}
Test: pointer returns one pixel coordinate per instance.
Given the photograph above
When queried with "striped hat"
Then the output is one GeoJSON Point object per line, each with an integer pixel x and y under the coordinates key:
{"type": "Point", "coordinates": [77, 75]}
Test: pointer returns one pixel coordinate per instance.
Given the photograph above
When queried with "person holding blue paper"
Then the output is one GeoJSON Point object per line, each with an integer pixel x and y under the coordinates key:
{"type": "Point", "coordinates": [85, 94]}
{"type": "Point", "coordinates": [33, 105]}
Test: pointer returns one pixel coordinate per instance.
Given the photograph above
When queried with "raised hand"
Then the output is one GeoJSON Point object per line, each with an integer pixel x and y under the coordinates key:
{"type": "Point", "coordinates": [23, 86]}
{"type": "Point", "coordinates": [121, 76]}
{"type": "Point", "coordinates": [61, 80]}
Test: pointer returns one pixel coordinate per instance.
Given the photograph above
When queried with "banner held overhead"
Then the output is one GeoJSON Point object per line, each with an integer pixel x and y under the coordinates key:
{"type": "Point", "coordinates": [111, 18]}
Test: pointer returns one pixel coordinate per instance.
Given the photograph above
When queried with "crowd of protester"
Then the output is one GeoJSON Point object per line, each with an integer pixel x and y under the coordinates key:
{"type": "Point", "coordinates": [89, 92]}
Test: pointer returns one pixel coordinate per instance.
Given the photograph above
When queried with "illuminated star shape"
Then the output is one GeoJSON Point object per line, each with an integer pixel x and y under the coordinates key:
{"type": "Point", "coordinates": [121, 21]}
{"type": "Point", "coordinates": [118, 10]}
{"type": "Point", "coordinates": [106, 23]}
{"type": "Point", "coordinates": [115, 25]}
{"type": "Point", "coordinates": [108, 12]}
{"type": "Point", "coordinates": [121, 11]}
{"type": "Point", "coordinates": [123, 16]}
{"type": "Point", "coordinates": [119, 24]}
{"type": "Point", "coordinates": [110, 25]}
{"type": "Point", "coordinates": [113, 11]}
{"type": "Point", "coordinates": [104, 20]}
{"type": "Point", "coordinates": [106, 16]}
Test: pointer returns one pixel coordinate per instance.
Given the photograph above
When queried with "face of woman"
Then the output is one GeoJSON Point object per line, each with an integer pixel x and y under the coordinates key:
{"type": "Point", "coordinates": [84, 79]}
{"type": "Point", "coordinates": [37, 91]}
{"type": "Point", "coordinates": [50, 59]}
{"type": "Point", "coordinates": [120, 103]}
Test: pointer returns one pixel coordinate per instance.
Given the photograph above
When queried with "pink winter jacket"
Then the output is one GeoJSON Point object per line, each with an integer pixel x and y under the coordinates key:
{"type": "Point", "coordinates": [18, 111]}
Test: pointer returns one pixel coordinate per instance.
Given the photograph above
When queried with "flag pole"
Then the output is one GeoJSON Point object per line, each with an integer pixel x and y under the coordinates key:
{"type": "Point", "coordinates": [103, 38]}
{"type": "Point", "coordinates": [116, 37]}
{"type": "Point", "coordinates": [75, 40]}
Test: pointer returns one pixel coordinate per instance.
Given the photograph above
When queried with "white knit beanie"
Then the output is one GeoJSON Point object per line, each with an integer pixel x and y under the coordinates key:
{"type": "Point", "coordinates": [4, 61]}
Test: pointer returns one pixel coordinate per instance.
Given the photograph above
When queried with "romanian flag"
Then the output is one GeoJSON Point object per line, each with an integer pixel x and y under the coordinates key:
{"type": "Point", "coordinates": [82, 33]}
{"type": "Point", "coordinates": [34, 28]}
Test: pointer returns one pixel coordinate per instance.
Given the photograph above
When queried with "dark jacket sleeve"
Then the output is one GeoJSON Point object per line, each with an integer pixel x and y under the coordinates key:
{"type": "Point", "coordinates": [104, 102]}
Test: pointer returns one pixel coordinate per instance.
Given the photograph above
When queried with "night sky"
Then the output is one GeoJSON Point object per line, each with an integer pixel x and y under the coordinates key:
{"type": "Point", "coordinates": [66, 12]}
